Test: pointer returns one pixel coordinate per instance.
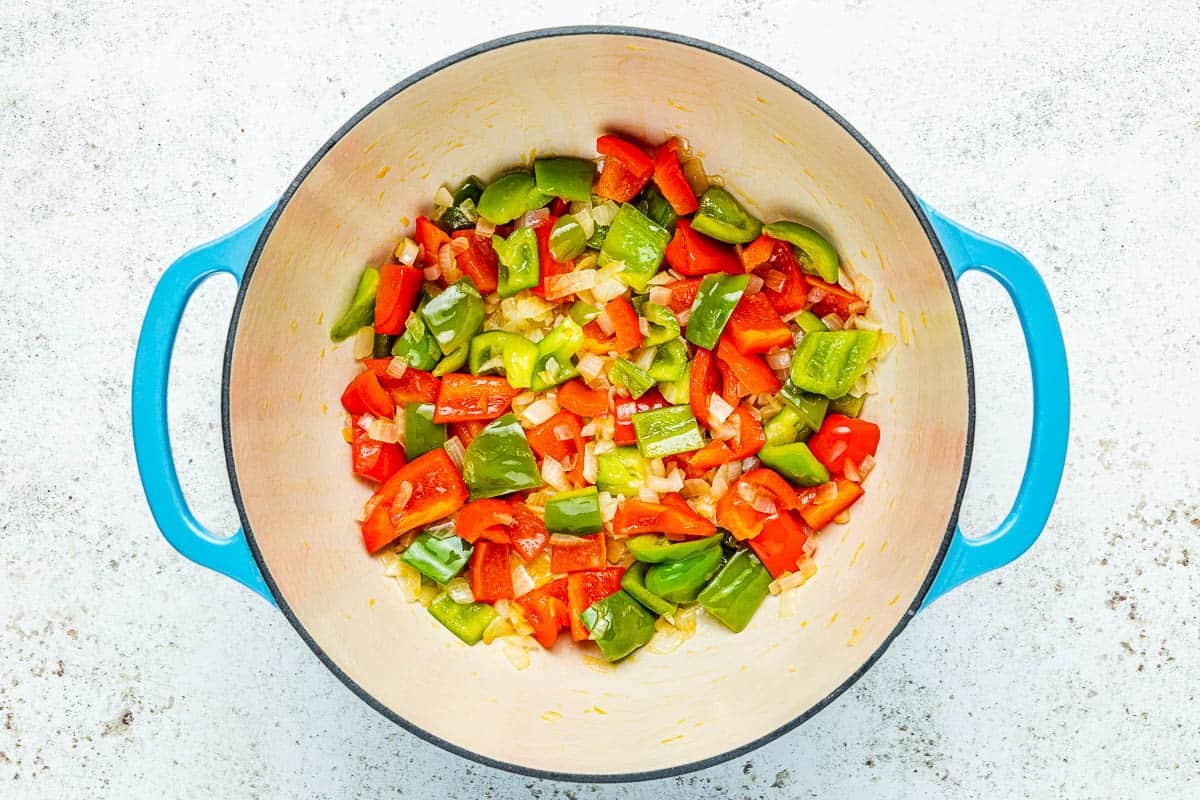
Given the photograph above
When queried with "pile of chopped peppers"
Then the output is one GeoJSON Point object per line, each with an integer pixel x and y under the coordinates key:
{"type": "Point", "coordinates": [593, 398]}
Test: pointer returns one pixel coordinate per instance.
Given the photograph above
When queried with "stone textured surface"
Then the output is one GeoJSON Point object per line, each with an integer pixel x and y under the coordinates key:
{"type": "Point", "coordinates": [131, 134]}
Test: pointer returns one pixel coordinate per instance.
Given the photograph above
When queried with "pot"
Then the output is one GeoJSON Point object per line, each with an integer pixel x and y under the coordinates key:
{"type": "Point", "coordinates": [720, 694]}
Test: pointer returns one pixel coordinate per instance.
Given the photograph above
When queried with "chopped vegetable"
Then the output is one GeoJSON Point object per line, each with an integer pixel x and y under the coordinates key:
{"type": "Point", "coordinates": [722, 217]}
{"type": "Point", "coordinates": [636, 241]}
{"type": "Point", "coordinates": [621, 471]}
{"type": "Point", "coordinates": [830, 362]}
{"type": "Point", "coordinates": [499, 461]}
{"type": "Point", "coordinates": [518, 257]}
{"type": "Point", "coordinates": [424, 490]}
{"type": "Point", "coordinates": [717, 297]}
{"type": "Point", "coordinates": [437, 559]}
{"type": "Point", "coordinates": [843, 439]}
{"type": "Point", "coordinates": [618, 625]}
{"type": "Point", "coordinates": [795, 462]}
{"type": "Point", "coordinates": [467, 621]}
{"type": "Point", "coordinates": [468, 398]}
{"type": "Point", "coordinates": [421, 433]}
{"type": "Point", "coordinates": [510, 353]}
{"type": "Point", "coordinates": [680, 581]}
{"type": "Point", "coordinates": [455, 315]}
{"type": "Point", "coordinates": [655, 549]}
{"type": "Point", "coordinates": [504, 198]}
{"type": "Point", "coordinates": [694, 254]}
{"type": "Point", "coordinates": [815, 252]}
{"type": "Point", "coordinates": [737, 591]}
{"type": "Point", "coordinates": [576, 512]}
{"type": "Point", "coordinates": [361, 310]}
{"type": "Point", "coordinates": [666, 431]}
{"type": "Point", "coordinates": [568, 178]}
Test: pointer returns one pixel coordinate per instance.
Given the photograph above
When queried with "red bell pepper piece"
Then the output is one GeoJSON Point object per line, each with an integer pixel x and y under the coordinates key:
{"type": "Point", "coordinates": [546, 611]}
{"type": "Point", "coordinates": [780, 546]}
{"type": "Point", "coordinates": [585, 588]}
{"type": "Point", "coordinates": [704, 381]}
{"type": "Point", "coordinates": [752, 373]}
{"type": "Point", "coordinates": [736, 512]}
{"type": "Point", "coordinates": [631, 157]}
{"type": "Point", "coordinates": [365, 395]}
{"type": "Point", "coordinates": [559, 206]}
{"type": "Point", "coordinates": [398, 288]}
{"type": "Point", "coordinates": [588, 552]}
{"type": "Point", "coordinates": [431, 238]}
{"type": "Point", "coordinates": [668, 177]}
{"type": "Point", "coordinates": [843, 439]}
{"type": "Point", "coordinates": [431, 489]}
{"type": "Point", "coordinates": [575, 396]}
{"type": "Point", "coordinates": [464, 398]}
{"type": "Point", "coordinates": [691, 253]}
{"type": "Point", "coordinates": [834, 300]}
{"type": "Point", "coordinates": [617, 183]}
{"type": "Point", "coordinates": [731, 390]}
{"type": "Point", "coordinates": [627, 331]}
{"type": "Point", "coordinates": [756, 327]}
{"type": "Point", "coordinates": [478, 262]}
{"type": "Point", "coordinates": [484, 519]}
{"type": "Point", "coordinates": [372, 459]}
{"type": "Point", "coordinates": [758, 252]}
{"type": "Point", "coordinates": [784, 283]}
{"type": "Point", "coordinates": [683, 294]}
{"type": "Point", "coordinates": [466, 431]}
{"type": "Point", "coordinates": [639, 516]}
{"type": "Point", "coordinates": [747, 441]}
{"type": "Point", "coordinates": [559, 438]}
{"type": "Point", "coordinates": [490, 578]}
{"type": "Point", "coordinates": [548, 265]}
{"type": "Point", "coordinates": [528, 532]}
{"type": "Point", "coordinates": [818, 515]}
{"type": "Point", "coordinates": [625, 408]}
{"type": "Point", "coordinates": [415, 386]}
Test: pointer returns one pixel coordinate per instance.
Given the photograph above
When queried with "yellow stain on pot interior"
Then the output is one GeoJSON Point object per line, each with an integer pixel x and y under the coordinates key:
{"type": "Point", "coordinates": [924, 320]}
{"type": "Point", "coordinates": [883, 546]}
{"type": "Point", "coordinates": [551, 716]}
{"type": "Point", "coordinates": [782, 140]}
{"type": "Point", "coordinates": [293, 326]}
{"type": "Point", "coordinates": [675, 104]}
{"type": "Point", "coordinates": [324, 408]}
{"type": "Point", "coordinates": [879, 253]}
{"type": "Point", "coordinates": [383, 172]}
{"type": "Point", "coordinates": [857, 552]}
{"type": "Point", "coordinates": [894, 600]}
{"type": "Point", "coordinates": [320, 317]}
{"type": "Point", "coordinates": [833, 619]}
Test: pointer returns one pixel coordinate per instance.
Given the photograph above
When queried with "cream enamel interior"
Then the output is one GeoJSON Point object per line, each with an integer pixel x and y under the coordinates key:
{"type": "Point", "coordinates": [719, 691]}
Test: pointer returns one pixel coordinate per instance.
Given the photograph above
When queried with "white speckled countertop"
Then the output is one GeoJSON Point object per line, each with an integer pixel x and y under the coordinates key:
{"type": "Point", "coordinates": [1069, 130]}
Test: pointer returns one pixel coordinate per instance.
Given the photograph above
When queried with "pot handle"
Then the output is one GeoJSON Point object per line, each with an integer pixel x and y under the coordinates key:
{"type": "Point", "coordinates": [151, 443]}
{"type": "Point", "coordinates": [971, 557]}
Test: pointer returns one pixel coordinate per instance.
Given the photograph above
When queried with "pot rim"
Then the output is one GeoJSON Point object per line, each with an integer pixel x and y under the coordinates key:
{"type": "Point", "coordinates": [496, 44]}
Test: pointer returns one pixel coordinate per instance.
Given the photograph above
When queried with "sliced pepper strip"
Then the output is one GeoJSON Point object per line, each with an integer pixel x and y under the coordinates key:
{"type": "Point", "coordinates": [618, 183]}
{"type": "Point", "coordinates": [464, 398]}
{"type": "Point", "coordinates": [478, 262]}
{"type": "Point", "coordinates": [548, 265]}
{"type": "Point", "coordinates": [627, 333]}
{"type": "Point", "coordinates": [683, 294]}
{"type": "Point", "coordinates": [527, 534]}
{"type": "Point", "coordinates": [575, 396]}
{"type": "Point", "coordinates": [490, 577]}
{"type": "Point", "coordinates": [693, 254]}
{"type": "Point", "coordinates": [623, 432]}
{"type": "Point", "coordinates": [484, 519]}
{"type": "Point", "coordinates": [639, 516]}
{"type": "Point", "coordinates": [559, 438]}
{"type": "Point", "coordinates": [752, 373]}
{"type": "Point", "coordinates": [703, 383]}
{"type": "Point", "coordinates": [586, 553]}
{"type": "Point", "coordinates": [818, 515]}
{"type": "Point", "coordinates": [435, 490]}
{"type": "Point", "coordinates": [668, 176]}
{"type": "Point", "coordinates": [585, 588]}
{"type": "Point", "coordinates": [756, 326]}
{"type": "Point", "coordinates": [747, 441]}
{"type": "Point", "coordinates": [365, 395]}
{"type": "Point", "coordinates": [843, 439]}
{"type": "Point", "coordinates": [372, 459]}
{"type": "Point", "coordinates": [784, 283]}
{"type": "Point", "coordinates": [780, 546]}
{"type": "Point", "coordinates": [431, 238]}
{"type": "Point", "coordinates": [632, 157]}
{"type": "Point", "coordinates": [546, 611]}
{"type": "Point", "coordinates": [736, 512]}
{"type": "Point", "coordinates": [398, 288]}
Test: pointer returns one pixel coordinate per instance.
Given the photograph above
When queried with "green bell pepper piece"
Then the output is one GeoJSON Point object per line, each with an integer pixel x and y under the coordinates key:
{"type": "Point", "coordinates": [810, 323]}
{"type": "Point", "coordinates": [620, 471]}
{"type": "Point", "coordinates": [471, 189]}
{"type": "Point", "coordinates": [576, 512]}
{"type": "Point", "coordinates": [568, 178]}
{"type": "Point", "coordinates": [681, 581]}
{"type": "Point", "coordinates": [634, 582]}
{"type": "Point", "coordinates": [499, 461]}
{"type": "Point", "coordinates": [417, 345]}
{"type": "Point", "coordinates": [679, 392]}
{"type": "Point", "coordinates": [652, 548]}
{"type": "Point", "coordinates": [722, 217]}
{"type": "Point", "coordinates": [467, 621]}
{"type": "Point", "coordinates": [795, 462]}
{"type": "Point", "coordinates": [666, 431]}
{"type": "Point", "coordinates": [717, 297]}
{"type": "Point", "coordinates": [452, 362]}
{"type": "Point", "coordinates": [518, 256]}
{"type": "Point", "coordinates": [381, 345]}
{"type": "Point", "coordinates": [655, 206]}
{"type": "Point", "coordinates": [555, 352]}
{"type": "Point", "coordinates": [814, 252]}
{"type": "Point", "coordinates": [437, 559]}
{"type": "Point", "coordinates": [536, 199]}
{"type": "Point", "coordinates": [566, 238]}
{"type": "Point", "coordinates": [582, 313]}
{"type": "Point", "coordinates": [785, 427]}
{"type": "Point", "coordinates": [455, 315]}
{"type": "Point", "coordinates": [362, 308]}
{"type": "Point", "coordinates": [599, 234]}
{"type": "Point", "coordinates": [630, 376]}
{"type": "Point", "coordinates": [637, 242]}
{"type": "Point", "coordinates": [670, 362]}
{"type": "Point", "coordinates": [618, 624]}
{"type": "Point", "coordinates": [457, 218]}
{"type": "Point", "coordinates": [421, 433]}
{"type": "Point", "coordinates": [830, 362]}
{"type": "Point", "coordinates": [511, 353]}
{"type": "Point", "coordinates": [847, 405]}
{"type": "Point", "coordinates": [504, 198]}
{"type": "Point", "coordinates": [737, 591]}
{"type": "Point", "coordinates": [663, 324]}
{"type": "Point", "coordinates": [810, 407]}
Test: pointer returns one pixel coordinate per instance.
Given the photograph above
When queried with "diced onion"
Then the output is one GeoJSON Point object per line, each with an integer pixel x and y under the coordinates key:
{"type": "Point", "coordinates": [671, 483]}
{"type": "Point", "coordinates": [789, 604]}
{"type": "Point", "coordinates": [584, 217]}
{"type": "Point", "coordinates": [432, 273]}
{"type": "Point", "coordinates": [826, 493]}
{"type": "Point", "coordinates": [607, 289]}
{"type": "Point", "coordinates": [517, 617]}
{"type": "Point", "coordinates": [606, 324]}
{"type": "Point", "coordinates": [554, 475]}
{"type": "Point", "coordinates": [364, 342]}
{"type": "Point", "coordinates": [837, 449]}
{"type": "Point", "coordinates": [693, 171]}
{"type": "Point", "coordinates": [539, 411]}
{"type": "Point", "coordinates": [832, 321]}
{"type": "Point", "coordinates": [383, 431]}
{"type": "Point", "coordinates": [658, 467]}
{"type": "Point", "coordinates": [608, 506]}
{"type": "Point", "coordinates": [535, 217]}
{"type": "Point", "coordinates": [407, 251]}
{"type": "Point", "coordinates": [775, 280]}
{"type": "Point", "coordinates": [648, 495]}
{"type": "Point", "coordinates": [558, 286]}
{"type": "Point", "coordinates": [815, 295]}
{"type": "Point", "coordinates": [754, 284]}
{"type": "Point", "coordinates": [591, 466]}
{"type": "Point", "coordinates": [733, 470]}
{"type": "Point", "coordinates": [563, 433]}
{"type": "Point", "coordinates": [864, 287]}
{"type": "Point", "coordinates": [409, 580]}
{"type": "Point", "coordinates": [684, 316]}
{"type": "Point", "coordinates": [498, 628]}
{"type": "Point", "coordinates": [660, 295]}
{"type": "Point", "coordinates": [867, 465]}
{"type": "Point", "coordinates": [517, 655]}
{"type": "Point", "coordinates": [448, 265]}
{"type": "Point", "coordinates": [749, 464]}
{"type": "Point", "coordinates": [456, 451]}
{"type": "Point", "coordinates": [522, 581]}
{"type": "Point", "coordinates": [443, 198]}
{"type": "Point", "coordinates": [459, 244]}
{"type": "Point", "coordinates": [780, 359]}
{"type": "Point", "coordinates": [644, 326]}
{"type": "Point", "coordinates": [590, 366]}
{"type": "Point", "coordinates": [851, 471]}
{"type": "Point", "coordinates": [605, 213]}
{"type": "Point", "coordinates": [696, 487]}
{"type": "Point", "coordinates": [718, 410]}
{"type": "Point", "coordinates": [842, 518]}
{"type": "Point", "coordinates": [397, 367]}
{"type": "Point", "coordinates": [567, 540]}
{"type": "Point", "coordinates": [666, 640]}
{"type": "Point", "coordinates": [720, 482]}
{"type": "Point", "coordinates": [791, 315]}
{"type": "Point", "coordinates": [484, 228]}
{"type": "Point", "coordinates": [615, 550]}
{"type": "Point", "coordinates": [459, 590]}
{"type": "Point", "coordinates": [646, 358]}
{"type": "Point", "coordinates": [588, 430]}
